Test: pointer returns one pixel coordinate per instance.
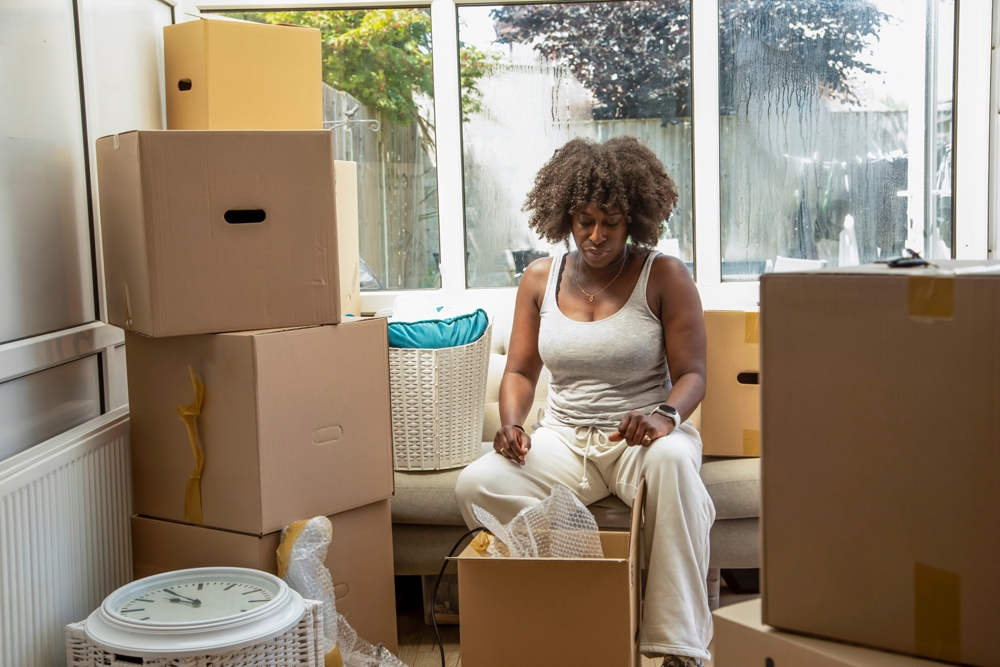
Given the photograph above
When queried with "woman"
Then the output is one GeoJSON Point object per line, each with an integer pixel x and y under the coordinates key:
{"type": "Point", "coordinates": [620, 328]}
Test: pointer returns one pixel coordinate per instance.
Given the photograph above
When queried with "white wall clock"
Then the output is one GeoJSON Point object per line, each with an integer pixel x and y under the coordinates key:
{"type": "Point", "coordinates": [195, 612]}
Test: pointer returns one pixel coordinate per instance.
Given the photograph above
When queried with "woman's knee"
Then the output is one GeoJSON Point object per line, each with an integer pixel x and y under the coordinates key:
{"type": "Point", "coordinates": [474, 480]}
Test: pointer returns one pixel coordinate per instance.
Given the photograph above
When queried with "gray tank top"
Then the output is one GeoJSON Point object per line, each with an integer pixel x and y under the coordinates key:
{"type": "Point", "coordinates": [602, 369]}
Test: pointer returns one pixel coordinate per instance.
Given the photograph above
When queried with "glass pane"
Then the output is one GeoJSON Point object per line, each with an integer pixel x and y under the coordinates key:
{"type": "Point", "coordinates": [37, 407]}
{"type": "Point", "coordinates": [378, 99]}
{"type": "Point", "coordinates": [536, 76]}
{"type": "Point", "coordinates": [46, 274]}
{"type": "Point", "coordinates": [836, 131]}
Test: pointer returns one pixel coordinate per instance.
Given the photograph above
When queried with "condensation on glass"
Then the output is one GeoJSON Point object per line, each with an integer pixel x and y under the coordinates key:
{"type": "Point", "coordinates": [46, 272]}
{"type": "Point", "coordinates": [40, 406]}
{"type": "Point", "coordinates": [584, 81]}
{"type": "Point", "coordinates": [386, 54]}
{"type": "Point", "coordinates": [836, 131]}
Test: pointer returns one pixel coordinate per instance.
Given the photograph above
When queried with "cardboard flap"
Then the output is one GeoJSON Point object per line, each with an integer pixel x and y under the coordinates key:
{"type": "Point", "coordinates": [635, 525]}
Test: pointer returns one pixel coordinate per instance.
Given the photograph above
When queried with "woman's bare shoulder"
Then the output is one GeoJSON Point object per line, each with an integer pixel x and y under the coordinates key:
{"type": "Point", "coordinates": [536, 275]}
{"type": "Point", "coordinates": [668, 270]}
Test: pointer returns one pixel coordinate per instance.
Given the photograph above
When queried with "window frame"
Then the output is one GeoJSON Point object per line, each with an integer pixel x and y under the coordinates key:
{"type": "Point", "coordinates": [973, 188]}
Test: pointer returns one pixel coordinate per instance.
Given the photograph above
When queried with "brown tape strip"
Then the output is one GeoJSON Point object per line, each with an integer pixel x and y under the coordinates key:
{"type": "Point", "coordinates": [751, 442]}
{"type": "Point", "coordinates": [937, 618]}
{"type": "Point", "coordinates": [931, 297]}
{"type": "Point", "coordinates": [751, 327]}
{"type": "Point", "coordinates": [190, 413]}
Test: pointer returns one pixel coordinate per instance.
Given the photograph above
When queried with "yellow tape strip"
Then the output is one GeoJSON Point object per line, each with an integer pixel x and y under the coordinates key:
{"type": "Point", "coordinates": [190, 413]}
{"type": "Point", "coordinates": [128, 309]}
{"type": "Point", "coordinates": [285, 548]}
{"type": "Point", "coordinates": [751, 442]}
{"type": "Point", "coordinates": [937, 616]}
{"type": "Point", "coordinates": [333, 658]}
{"type": "Point", "coordinates": [751, 328]}
{"type": "Point", "coordinates": [931, 297]}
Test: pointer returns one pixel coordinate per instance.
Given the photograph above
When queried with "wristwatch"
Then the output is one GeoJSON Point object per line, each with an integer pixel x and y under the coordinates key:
{"type": "Point", "coordinates": [668, 412]}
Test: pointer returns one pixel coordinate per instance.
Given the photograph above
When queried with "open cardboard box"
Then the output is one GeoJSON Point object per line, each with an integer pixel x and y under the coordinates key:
{"type": "Point", "coordinates": [539, 612]}
{"type": "Point", "coordinates": [359, 560]}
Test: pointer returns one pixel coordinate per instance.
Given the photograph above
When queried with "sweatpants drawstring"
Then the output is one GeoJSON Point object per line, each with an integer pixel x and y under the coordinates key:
{"type": "Point", "coordinates": [589, 434]}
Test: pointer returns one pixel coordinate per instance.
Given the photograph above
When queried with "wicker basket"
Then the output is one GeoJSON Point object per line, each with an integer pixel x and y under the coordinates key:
{"type": "Point", "coordinates": [301, 646]}
{"type": "Point", "coordinates": [437, 404]}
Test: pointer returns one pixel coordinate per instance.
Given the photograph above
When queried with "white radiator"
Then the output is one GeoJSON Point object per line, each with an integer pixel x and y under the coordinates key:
{"type": "Point", "coordinates": [64, 536]}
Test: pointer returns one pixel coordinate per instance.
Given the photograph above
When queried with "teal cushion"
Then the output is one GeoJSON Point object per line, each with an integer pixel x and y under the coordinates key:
{"type": "Point", "coordinates": [435, 334]}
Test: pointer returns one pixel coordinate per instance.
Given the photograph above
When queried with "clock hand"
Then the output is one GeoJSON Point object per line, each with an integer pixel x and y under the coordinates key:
{"type": "Point", "coordinates": [167, 590]}
{"type": "Point", "coordinates": [193, 603]}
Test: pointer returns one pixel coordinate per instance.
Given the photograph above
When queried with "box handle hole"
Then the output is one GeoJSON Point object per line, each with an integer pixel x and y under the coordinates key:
{"type": "Point", "coordinates": [748, 378]}
{"type": "Point", "coordinates": [184, 84]}
{"type": "Point", "coordinates": [239, 216]}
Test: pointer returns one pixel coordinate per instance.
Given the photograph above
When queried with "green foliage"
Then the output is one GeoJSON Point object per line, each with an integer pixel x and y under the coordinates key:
{"type": "Point", "coordinates": [381, 57]}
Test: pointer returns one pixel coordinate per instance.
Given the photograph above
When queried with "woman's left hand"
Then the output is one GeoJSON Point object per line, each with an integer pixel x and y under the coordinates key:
{"type": "Point", "coordinates": [639, 429]}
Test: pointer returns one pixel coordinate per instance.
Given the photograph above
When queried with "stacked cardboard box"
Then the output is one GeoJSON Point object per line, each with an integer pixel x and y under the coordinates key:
{"type": "Point", "coordinates": [226, 253]}
{"type": "Point", "coordinates": [881, 408]}
{"type": "Point", "coordinates": [730, 413]}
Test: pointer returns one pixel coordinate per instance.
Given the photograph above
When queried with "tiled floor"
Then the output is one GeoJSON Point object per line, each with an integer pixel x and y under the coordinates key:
{"type": "Point", "coordinates": [418, 647]}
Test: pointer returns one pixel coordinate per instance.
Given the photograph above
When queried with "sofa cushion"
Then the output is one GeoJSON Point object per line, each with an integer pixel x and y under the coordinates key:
{"type": "Point", "coordinates": [429, 497]}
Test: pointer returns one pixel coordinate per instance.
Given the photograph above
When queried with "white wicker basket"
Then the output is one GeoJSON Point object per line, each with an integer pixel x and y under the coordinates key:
{"type": "Point", "coordinates": [437, 404]}
{"type": "Point", "coordinates": [301, 646]}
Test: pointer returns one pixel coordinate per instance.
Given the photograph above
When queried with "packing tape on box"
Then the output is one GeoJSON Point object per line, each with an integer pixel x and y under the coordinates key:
{"type": "Point", "coordinates": [285, 548]}
{"type": "Point", "coordinates": [189, 414]}
{"type": "Point", "coordinates": [931, 297]}
{"type": "Point", "coordinates": [128, 307]}
{"type": "Point", "coordinates": [751, 328]}
{"type": "Point", "coordinates": [751, 442]}
{"type": "Point", "coordinates": [937, 619]}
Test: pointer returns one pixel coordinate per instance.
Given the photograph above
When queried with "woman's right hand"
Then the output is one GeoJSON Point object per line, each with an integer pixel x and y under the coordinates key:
{"type": "Point", "coordinates": [513, 443]}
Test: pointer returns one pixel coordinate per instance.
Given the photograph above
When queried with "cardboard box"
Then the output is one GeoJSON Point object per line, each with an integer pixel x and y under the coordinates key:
{"type": "Point", "coordinates": [348, 238]}
{"type": "Point", "coordinates": [239, 75]}
{"type": "Point", "coordinates": [208, 232]}
{"type": "Point", "coordinates": [741, 640]}
{"type": "Point", "coordinates": [359, 560]}
{"type": "Point", "coordinates": [881, 415]}
{"type": "Point", "coordinates": [583, 612]}
{"type": "Point", "coordinates": [730, 413]}
{"type": "Point", "coordinates": [294, 423]}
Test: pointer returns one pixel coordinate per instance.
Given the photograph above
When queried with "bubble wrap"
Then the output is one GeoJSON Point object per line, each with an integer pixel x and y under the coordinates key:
{"type": "Point", "coordinates": [558, 527]}
{"type": "Point", "coordinates": [307, 575]}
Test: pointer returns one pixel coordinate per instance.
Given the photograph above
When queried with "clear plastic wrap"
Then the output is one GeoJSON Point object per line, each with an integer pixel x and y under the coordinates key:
{"type": "Point", "coordinates": [300, 563]}
{"type": "Point", "coordinates": [558, 527]}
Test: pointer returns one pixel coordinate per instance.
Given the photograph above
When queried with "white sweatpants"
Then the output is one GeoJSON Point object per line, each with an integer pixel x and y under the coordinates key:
{"type": "Point", "coordinates": [678, 515]}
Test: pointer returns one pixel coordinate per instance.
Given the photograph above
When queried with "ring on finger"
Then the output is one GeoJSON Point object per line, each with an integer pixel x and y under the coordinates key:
{"type": "Point", "coordinates": [646, 438]}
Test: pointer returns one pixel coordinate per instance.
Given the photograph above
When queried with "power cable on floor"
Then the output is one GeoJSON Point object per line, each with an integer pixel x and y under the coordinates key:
{"type": "Point", "coordinates": [437, 632]}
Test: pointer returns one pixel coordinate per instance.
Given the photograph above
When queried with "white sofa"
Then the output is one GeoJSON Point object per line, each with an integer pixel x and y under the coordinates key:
{"type": "Point", "coordinates": [426, 520]}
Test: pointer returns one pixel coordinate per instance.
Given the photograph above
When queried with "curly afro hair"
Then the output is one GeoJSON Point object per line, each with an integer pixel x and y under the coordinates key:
{"type": "Point", "coordinates": [620, 171]}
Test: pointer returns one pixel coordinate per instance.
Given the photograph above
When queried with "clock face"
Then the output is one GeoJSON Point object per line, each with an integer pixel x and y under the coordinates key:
{"type": "Point", "coordinates": [196, 599]}
{"type": "Point", "coordinates": [194, 612]}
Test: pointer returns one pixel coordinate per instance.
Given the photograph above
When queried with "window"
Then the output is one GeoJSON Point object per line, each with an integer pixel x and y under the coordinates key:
{"type": "Point", "coordinates": [536, 76]}
{"type": "Point", "coordinates": [378, 100]}
{"type": "Point", "coordinates": [836, 131]}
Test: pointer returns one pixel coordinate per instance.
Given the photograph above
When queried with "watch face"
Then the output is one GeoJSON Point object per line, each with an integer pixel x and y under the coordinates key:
{"type": "Point", "coordinates": [196, 598]}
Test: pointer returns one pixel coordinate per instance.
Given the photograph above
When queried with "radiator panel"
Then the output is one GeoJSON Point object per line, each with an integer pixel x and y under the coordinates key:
{"type": "Point", "coordinates": [64, 536]}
